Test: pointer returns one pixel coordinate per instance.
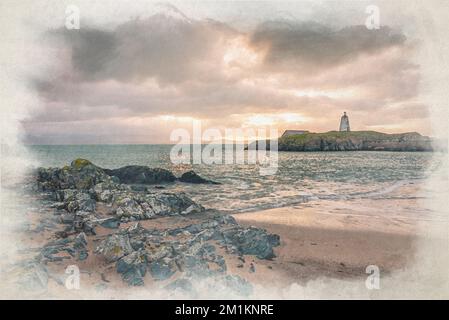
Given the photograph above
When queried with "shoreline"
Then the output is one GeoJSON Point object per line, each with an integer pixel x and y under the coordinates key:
{"type": "Point", "coordinates": [338, 239]}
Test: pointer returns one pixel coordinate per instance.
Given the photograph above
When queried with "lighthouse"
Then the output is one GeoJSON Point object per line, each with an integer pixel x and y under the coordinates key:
{"type": "Point", "coordinates": [344, 123]}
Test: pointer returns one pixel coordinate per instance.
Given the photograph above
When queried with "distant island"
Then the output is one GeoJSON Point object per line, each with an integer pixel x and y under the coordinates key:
{"type": "Point", "coordinates": [347, 140]}
{"type": "Point", "coordinates": [353, 141]}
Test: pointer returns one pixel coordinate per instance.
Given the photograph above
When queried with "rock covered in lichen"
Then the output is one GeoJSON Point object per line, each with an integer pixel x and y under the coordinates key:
{"type": "Point", "coordinates": [79, 187]}
{"type": "Point", "coordinates": [114, 247]}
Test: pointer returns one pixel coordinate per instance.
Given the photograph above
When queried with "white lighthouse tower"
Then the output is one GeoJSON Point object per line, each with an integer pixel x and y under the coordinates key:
{"type": "Point", "coordinates": [344, 123]}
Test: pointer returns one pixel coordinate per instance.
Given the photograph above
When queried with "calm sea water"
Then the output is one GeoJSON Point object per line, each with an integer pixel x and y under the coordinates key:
{"type": "Point", "coordinates": [300, 176]}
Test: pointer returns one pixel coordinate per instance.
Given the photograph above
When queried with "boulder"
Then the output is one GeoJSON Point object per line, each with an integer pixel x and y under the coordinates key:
{"type": "Point", "coordinates": [114, 247]}
{"type": "Point", "coordinates": [133, 268]}
{"type": "Point", "coordinates": [193, 177]}
{"type": "Point", "coordinates": [80, 246]}
{"type": "Point", "coordinates": [252, 241]}
{"type": "Point", "coordinates": [141, 175]}
{"type": "Point", "coordinates": [136, 206]}
{"type": "Point", "coordinates": [81, 175]}
{"type": "Point", "coordinates": [161, 270]}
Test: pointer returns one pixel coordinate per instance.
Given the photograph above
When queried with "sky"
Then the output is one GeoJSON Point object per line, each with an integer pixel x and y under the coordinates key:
{"type": "Point", "coordinates": [135, 76]}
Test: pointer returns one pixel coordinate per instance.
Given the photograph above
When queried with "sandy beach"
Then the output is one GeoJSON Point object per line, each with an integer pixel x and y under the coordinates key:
{"type": "Point", "coordinates": [338, 239]}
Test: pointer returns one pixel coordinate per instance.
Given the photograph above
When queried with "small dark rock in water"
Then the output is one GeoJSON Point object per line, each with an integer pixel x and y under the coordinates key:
{"type": "Point", "coordinates": [193, 177]}
{"type": "Point", "coordinates": [141, 175]}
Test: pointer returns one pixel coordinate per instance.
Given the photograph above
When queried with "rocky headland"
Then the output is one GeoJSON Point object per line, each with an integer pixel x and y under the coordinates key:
{"type": "Point", "coordinates": [122, 222]}
{"type": "Point", "coordinates": [356, 141]}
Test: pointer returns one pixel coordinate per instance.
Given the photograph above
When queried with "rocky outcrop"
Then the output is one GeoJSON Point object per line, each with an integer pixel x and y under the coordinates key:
{"type": "Point", "coordinates": [86, 198]}
{"type": "Point", "coordinates": [355, 141]}
{"type": "Point", "coordinates": [81, 175]}
{"type": "Point", "coordinates": [82, 186]}
{"type": "Point", "coordinates": [191, 250]}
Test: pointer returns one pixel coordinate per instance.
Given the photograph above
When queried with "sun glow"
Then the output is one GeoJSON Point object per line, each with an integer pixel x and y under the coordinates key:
{"type": "Point", "coordinates": [239, 55]}
{"type": "Point", "coordinates": [172, 118]}
{"type": "Point", "coordinates": [274, 119]}
{"type": "Point", "coordinates": [311, 93]}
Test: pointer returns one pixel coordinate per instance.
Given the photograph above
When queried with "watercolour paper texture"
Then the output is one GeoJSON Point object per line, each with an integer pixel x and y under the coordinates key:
{"type": "Point", "coordinates": [224, 150]}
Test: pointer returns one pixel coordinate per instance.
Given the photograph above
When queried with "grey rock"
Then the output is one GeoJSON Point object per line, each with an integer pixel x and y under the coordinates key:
{"type": "Point", "coordinates": [252, 241]}
{"type": "Point", "coordinates": [114, 247]}
{"type": "Point", "coordinates": [141, 175]}
{"type": "Point", "coordinates": [193, 177]}
{"type": "Point", "coordinates": [81, 175]}
{"type": "Point", "coordinates": [133, 268]}
{"type": "Point", "coordinates": [67, 218]}
{"type": "Point", "coordinates": [161, 270]}
{"type": "Point", "coordinates": [146, 206]}
{"type": "Point", "coordinates": [110, 223]}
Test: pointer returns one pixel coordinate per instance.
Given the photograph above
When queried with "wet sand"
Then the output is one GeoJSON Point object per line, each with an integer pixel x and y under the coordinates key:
{"type": "Point", "coordinates": [339, 239]}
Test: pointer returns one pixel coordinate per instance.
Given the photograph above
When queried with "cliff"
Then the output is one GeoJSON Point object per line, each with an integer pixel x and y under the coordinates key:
{"type": "Point", "coordinates": [355, 141]}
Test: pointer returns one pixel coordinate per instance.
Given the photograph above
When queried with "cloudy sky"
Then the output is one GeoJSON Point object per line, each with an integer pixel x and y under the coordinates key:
{"type": "Point", "coordinates": [136, 78]}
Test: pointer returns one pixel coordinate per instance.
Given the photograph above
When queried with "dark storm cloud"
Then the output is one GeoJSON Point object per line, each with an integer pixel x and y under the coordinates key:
{"type": "Point", "coordinates": [314, 45]}
{"type": "Point", "coordinates": [171, 50]}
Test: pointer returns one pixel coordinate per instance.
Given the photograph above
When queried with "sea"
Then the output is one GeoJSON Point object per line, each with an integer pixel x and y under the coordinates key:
{"type": "Point", "coordinates": [300, 177]}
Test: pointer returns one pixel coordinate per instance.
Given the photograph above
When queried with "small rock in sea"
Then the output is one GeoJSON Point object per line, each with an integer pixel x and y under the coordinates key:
{"type": "Point", "coordinates": [193, 177]}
